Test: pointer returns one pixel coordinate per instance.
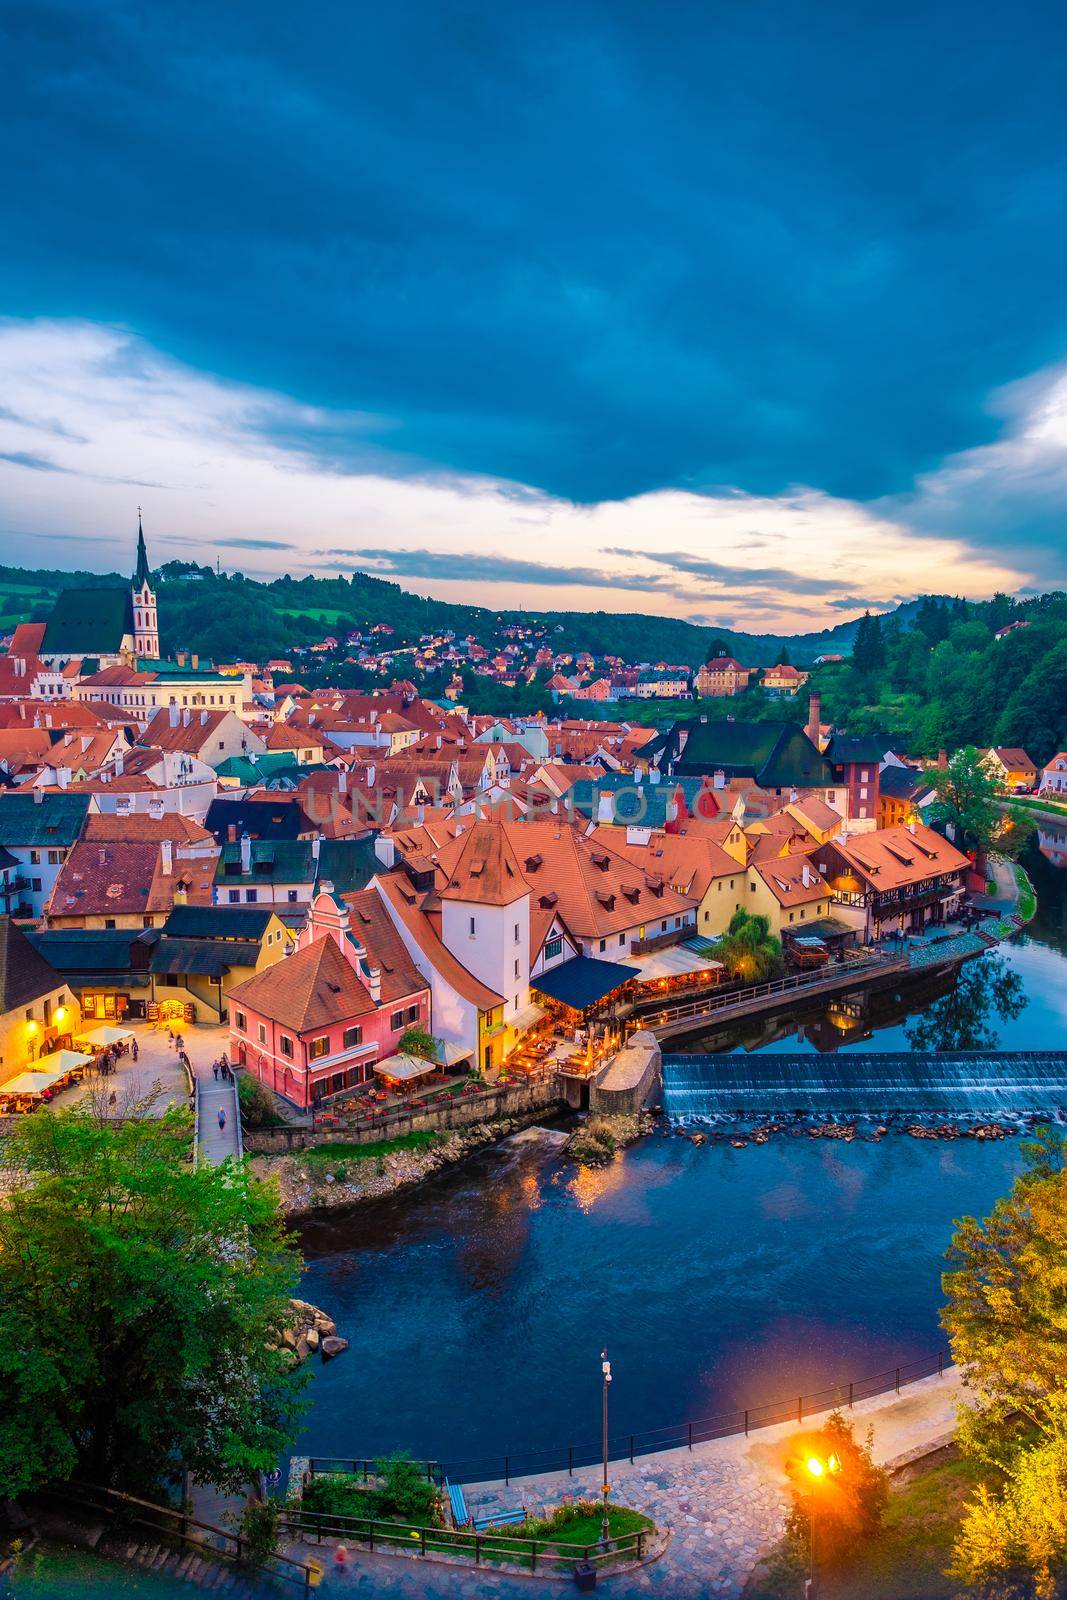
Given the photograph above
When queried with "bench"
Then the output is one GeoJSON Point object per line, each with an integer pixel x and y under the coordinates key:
{"type": "Point", "coordinates": [460, 1515]}
{"type": "Point", "coordinates": [498, 1519]}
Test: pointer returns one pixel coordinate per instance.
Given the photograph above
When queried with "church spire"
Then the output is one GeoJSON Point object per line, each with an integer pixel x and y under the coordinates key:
{"type": "Point", "coordinates": [142, 575]}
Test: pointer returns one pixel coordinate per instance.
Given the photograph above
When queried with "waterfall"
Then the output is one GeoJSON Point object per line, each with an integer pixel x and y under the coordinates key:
{"type": "Point", "coordinates": [840, 1087]}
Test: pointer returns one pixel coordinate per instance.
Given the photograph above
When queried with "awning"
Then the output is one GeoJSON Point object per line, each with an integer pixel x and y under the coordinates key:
{"type": "Point", "coordinates": [527, 1017]}
{"type": "Point", "coordinates": [33, 1082]}
{"type": "Point", "coordinates": [449, 1055]}
{"type": "Point", "coordinates": [403, 1068]}
{"type": "Point", "coordinates": [583, 981]}
{"type": "Point", "coordinates": [104, 1035]}
{"type": "Point", "coordinates": [675, 962]}
{"type": "Point", "coordinates": [66, 1061]}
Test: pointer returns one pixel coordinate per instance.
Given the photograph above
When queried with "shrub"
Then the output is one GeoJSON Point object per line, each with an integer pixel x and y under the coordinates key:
{"type": "Point", "coordinates": [404, 1491]}
{"type": "Point", "coordinates": [849, 1502]}
{"type": "Point", "coordinates": [258, 1109]}
{"type": "Point", "coordinates": [259, 1528]}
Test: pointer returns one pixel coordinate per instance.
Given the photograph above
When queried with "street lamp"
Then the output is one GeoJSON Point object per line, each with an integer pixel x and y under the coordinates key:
{"type": "Point", "coordinates": [605, 1369]}
{"type": "Point", "coordinates": [817, 1470]}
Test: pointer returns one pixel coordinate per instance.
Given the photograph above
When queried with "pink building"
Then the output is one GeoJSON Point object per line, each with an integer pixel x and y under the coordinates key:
{"type": "Point", "coordinates": [314, 1024]}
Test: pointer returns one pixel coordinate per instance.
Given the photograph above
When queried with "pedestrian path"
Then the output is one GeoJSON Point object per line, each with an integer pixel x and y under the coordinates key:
{"type": "Point", "coordinates": [722, 1504]}
{"type": "Point", "coordinates": [216, 1144]}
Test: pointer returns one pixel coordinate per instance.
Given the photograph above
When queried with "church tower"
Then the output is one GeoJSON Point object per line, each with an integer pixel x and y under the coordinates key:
{"type": "Point", "coordinates": [145, 625]}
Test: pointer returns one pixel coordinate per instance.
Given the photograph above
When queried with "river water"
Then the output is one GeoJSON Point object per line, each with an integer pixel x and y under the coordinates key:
{"type": "Point", "coordinates": [477, 1306]}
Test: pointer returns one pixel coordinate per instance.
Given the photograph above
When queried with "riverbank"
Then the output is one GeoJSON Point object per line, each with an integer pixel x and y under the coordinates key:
{"type": "Point", "coordinates": [336, 1176]}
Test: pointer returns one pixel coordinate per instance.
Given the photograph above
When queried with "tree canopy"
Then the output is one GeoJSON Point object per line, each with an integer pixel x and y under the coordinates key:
{"type": "Point", "coordinates": [142, 1304]}
{"type": "Point", "coordinates": [1005, 1294]}
{"type": "Point", "coordinates": [969, 799]}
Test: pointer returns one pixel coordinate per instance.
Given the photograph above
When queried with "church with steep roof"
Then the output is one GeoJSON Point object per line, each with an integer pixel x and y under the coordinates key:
{"type": "Point", "coordinates": [111, 626]}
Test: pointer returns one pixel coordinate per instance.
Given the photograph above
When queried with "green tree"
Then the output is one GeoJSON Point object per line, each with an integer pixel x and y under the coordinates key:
{"type": "Point", "coordinates": [868, 652]}
{"type": "Point", "coordinates": [968, 799]}
{"type": "Point", "coordinates": [748, 950]}
{"type": "Point", "coordinates": [142, 1304]}
{"type": "Point", "coordinates": [848, 1497]}
{"type": "Point", "coordinates": [1005, 1293]}
{"type": "Point", "coordinates": [717, 647]}
{"type": "Point", "coordinates": [419, 1042]}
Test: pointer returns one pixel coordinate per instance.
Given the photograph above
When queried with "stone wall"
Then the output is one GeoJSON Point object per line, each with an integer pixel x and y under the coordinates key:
{"type": "Point", "coordinates": [630, 1079]}
{"type": "Point", "coordinates": [510, 1100]}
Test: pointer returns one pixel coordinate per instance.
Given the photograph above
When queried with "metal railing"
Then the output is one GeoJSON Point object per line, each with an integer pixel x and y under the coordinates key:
{"type": "Point", "coordinates": [224, 1542]}
{"type": "Point", "coordinates": [722, 1000]}
{"type": "Point", "coordinates": [196, 1120]}
{"type": "Point", "coordinates": [507, 1545]}
{"type": "Point", "coordinates": [236, 1114]}
{"type": "Point", "coordinates": [796, 1409]}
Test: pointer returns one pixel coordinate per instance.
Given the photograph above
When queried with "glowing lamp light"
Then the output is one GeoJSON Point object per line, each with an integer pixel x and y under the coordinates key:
{"type": "Point", "coordinates": [31, 1027]}
{"type": "Point", "coordinates": [815, 1466]}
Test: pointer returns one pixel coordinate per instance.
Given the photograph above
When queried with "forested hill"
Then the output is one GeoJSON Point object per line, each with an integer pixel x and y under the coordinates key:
{"type": "Point", "coordinates": [220, 615]}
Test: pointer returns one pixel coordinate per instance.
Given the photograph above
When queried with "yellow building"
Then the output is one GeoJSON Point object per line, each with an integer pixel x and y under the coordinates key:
{"type": "Point", "coordinates": [789, 892]}
{"type": "Point", "coordinates": [205, 951]}
{"type": "Point", "coordinates": [38, 1011]}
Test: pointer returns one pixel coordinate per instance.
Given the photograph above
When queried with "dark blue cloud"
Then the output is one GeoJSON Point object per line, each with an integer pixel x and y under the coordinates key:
{"type": "Point", "coordinates": [596, 248]}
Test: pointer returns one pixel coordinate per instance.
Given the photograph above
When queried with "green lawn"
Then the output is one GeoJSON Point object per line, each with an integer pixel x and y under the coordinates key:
{"type": "Point", "coordinates": [908, 1559]}
{"type": "Point", "coordinates": [334, 1155]}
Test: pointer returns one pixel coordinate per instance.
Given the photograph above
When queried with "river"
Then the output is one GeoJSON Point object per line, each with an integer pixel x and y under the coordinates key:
{"type": "Point", "coordinates": [477, 1306]}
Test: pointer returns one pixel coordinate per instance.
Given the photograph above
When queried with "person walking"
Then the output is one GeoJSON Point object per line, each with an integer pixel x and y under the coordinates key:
{"type": "Point", "coordinates": [222, 1119]}
{"type": "Point", "coordinates": [215, 1071]}
{"type": "Point", "coordinates": [133, 1048]}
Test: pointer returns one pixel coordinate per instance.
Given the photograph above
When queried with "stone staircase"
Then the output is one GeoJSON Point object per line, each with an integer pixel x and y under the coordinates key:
{"type": "Point", "coordinates": [201, 1569]}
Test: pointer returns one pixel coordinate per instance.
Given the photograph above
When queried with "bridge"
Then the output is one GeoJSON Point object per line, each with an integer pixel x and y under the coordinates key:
{"type": "Point", "coordinates": [966, 1083]}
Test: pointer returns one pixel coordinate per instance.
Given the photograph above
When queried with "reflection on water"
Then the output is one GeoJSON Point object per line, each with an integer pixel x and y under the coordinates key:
{"type": "Point", "coordinates": [985, 992]}
{"type": "Point", "coordinates": [478, 1305]}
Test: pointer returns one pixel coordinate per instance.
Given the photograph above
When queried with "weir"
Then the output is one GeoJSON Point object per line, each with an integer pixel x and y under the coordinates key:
{"type": "Point", "coordinates": [961, 1084]}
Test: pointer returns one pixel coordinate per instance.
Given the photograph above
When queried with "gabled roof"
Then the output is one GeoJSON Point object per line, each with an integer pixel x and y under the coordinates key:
{"type": "Point", "coordinates": [260, 819]}
{"type": "Point", "coordinates": [206, 957]}
{"type": "Point", "coordinates": [314, 988]}
{"type": "Point", "coordinates": [1014, 759]}
{"type": "Point", "coordinates": [777, 755]}
{"type": "Point", "coordinates": [75, 951]}
{"type": "Point", "coordinates": [126, 879]}
{"type": "Point", "coordinates": [372, 925]}
{"type": "Point", "coordinates": [244, 923]}
{"type": "Point", "coordinates": [792, 880]}
{"type": "Point", "coordinates": [892, 858]}
{"type": "Point", "coordinates": [409, 905]}
{"type": "Point", "coordinates": [88, 622]}
{"type": "Point", "coordinates": [25, 975]}
{"type": "Point", "coordinates": [54, 820]}
{"type": "Point", "coordinates": [273, 861]}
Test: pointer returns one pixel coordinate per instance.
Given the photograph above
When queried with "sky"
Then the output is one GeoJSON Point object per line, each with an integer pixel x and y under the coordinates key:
{"type": "Point", "coordinates": [753, 313]}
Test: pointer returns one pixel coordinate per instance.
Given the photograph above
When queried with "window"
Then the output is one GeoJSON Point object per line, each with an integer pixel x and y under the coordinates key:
{"type": "Point", "coordinates": [516, 967]}
{"type": "Point", "coordinates": [351, 1037]}
{"type": "Point", "coordinates": [554, 947]}
{"type": "Point", "coordinates": [35, 858]}
{"type": "Point", "coordinates": [622, 938]}
{"type": "Point", "coordinates": [35, 885]}
{"type": "Point", "coordinates": [55, 857]}
{"type": "Point", "coordinates": [29, 1015]}
{"type": "Point", "coordinates": [286, 1045]}
{"type": "Point", "coordinates": [790, 916]}
{"type": "Point", "coordinates": [516, 933]}
{"type": "Point", "coordinates": [472, 928]}
{"type": "Point", "coordinates": [251, 896]}
{"type": "Point", "coordinates": [240, 1021]}
{"type": "Point", "coordinates": [233, 896]}
{"type": "Point", "coordinates": [603, 944]}
{"type": "Point", "coordinates": [109, 922]}
{"type": "Point", "coordinates": [262, 1032]}
{"type": "Point", "coordinates": [318, 1048]}
{"type": "Point", "coordinates": [292, 897]}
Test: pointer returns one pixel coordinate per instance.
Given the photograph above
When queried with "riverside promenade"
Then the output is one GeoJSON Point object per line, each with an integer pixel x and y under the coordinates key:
{"type": "Point", "coordinates": [722, 1504]}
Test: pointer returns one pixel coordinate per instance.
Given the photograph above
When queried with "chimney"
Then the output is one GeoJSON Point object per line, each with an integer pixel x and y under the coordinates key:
{"type": "Point", "coordinates": [316, 845]}
{"type": "Point", "coordinates": [180, 658]}
{"type": "Point", "coordinates": [194, 662]}
{"type": "Point", "coordinates": [166, 857]}
{"type": "Point", "coordinates": [172, 714]}
{"type": "Point", "coordinates": [375, 985]}
{"type": "Point", "coordinates": [805, 876]}
{"type": "Point", "coordinates": [718, 779]}
{"type": "Point", "coordinates": [203, 718]}
{"type": "Point", "coordinates": [185, 717]}
{"type": "Point", "coordinates": [38, 796]}
{"type": "Point", "coordinates": [231, 833]}
{"type": "Point", "coordinates": [942, 760]}
{"type": "Point", "coordinates": [246, 853]}
{"type": "Point", "coordinates": [814, 718]}
{"type": "Point", "coordinates": [372, 772]}
{"type": "Point", "coordinates": [120, 763]}
{"type": "Point", "coordinates": [342, 782]}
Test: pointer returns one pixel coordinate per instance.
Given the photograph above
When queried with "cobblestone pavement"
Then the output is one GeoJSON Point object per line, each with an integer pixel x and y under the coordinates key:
{"type": "Point", "coordinates": [722, 1504]}
{"type": "Point", "coordinates": [157, 1062]}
